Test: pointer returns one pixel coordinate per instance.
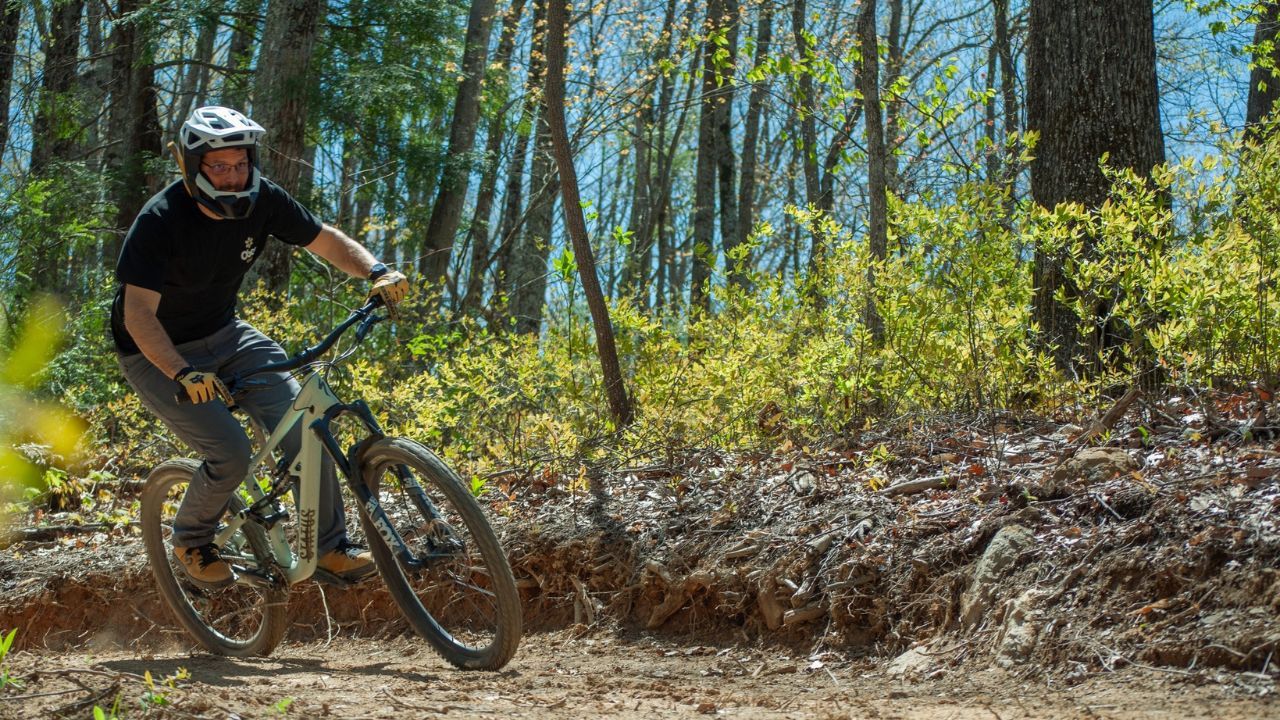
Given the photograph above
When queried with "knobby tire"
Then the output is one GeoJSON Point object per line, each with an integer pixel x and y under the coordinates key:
{"type": "Point", "coordinates": [465, 604]}
{"type": "Point", "coordinates": [179, 593]}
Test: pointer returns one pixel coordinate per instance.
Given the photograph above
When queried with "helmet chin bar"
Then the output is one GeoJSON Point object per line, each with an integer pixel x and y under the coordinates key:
{"type": "Point", "coordinates": [230, 205]}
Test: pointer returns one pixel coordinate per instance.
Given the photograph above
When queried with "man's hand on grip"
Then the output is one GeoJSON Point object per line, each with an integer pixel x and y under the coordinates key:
{"type": "Point", "coordinates": [200, 386]}
{"type": "Point", "coordinates": [391, 287]}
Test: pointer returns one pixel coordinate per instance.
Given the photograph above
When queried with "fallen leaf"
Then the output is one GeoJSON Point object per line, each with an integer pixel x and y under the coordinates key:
{"type": "Point", "coordinates": [1162, 604]}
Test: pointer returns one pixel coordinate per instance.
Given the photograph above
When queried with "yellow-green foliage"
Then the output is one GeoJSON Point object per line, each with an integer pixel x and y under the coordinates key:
{"type": "Point", "coordinates": [23, 418]}
{"type": "Point", "coordinates": [1181, 267]}
{"type": "Point", "coordinates": [769, 362]}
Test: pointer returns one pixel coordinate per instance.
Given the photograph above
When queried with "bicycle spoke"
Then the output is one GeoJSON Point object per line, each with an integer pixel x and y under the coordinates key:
{"type": "Point", "coordinates": [244, 618]}
{"type": "Point", "coordinates": [462, 598]}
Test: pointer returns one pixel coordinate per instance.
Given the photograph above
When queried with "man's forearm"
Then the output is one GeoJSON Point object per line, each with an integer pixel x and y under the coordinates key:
{"type": "Point", "coordinates": [156, 346]}
{"type": "Point", "coordinates": [342, 252]}
{"type": "Point", "coordinates": [147, 332]}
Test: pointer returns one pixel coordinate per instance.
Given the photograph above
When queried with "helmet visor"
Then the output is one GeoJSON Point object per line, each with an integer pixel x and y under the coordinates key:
{"type": "Point", "coordinates": [231, 204]}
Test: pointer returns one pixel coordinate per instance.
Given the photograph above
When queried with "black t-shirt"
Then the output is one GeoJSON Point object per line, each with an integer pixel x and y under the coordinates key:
{"type": "Point", "coordinates": [196, 263]}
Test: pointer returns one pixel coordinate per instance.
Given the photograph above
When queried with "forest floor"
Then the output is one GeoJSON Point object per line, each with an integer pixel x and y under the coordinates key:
{"type": "Point", "coordinates": [995, 568]}
{"type": "Point", "coordinates": [578, 674]}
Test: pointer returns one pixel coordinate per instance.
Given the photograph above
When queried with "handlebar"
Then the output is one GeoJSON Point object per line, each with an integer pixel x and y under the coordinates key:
{"type": "Point", "coordinates": [364, 315]}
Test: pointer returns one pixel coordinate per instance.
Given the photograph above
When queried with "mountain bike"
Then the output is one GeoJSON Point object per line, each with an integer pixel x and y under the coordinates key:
{"type": "Point", "coordinates": [429, 538]}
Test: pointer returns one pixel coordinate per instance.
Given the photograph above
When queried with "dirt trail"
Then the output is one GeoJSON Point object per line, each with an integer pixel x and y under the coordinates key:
{"type": "Point", "coordinates": [570, 674]}
{"type": "Point", "coordinates": [943, 572]}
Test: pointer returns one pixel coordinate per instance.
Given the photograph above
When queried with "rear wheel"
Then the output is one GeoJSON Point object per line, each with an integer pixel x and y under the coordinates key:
{"type": "Point", "coordinates": [463, 599]}
{"type": "Point", "coordinates": [242, 619]}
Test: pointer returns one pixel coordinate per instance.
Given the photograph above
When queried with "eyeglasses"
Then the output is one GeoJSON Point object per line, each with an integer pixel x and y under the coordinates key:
{"type": "Point", "coordinates": [221, 169]}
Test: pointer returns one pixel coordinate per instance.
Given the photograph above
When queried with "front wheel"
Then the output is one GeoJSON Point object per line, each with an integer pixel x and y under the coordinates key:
{"type": "Point", "coordinates": [463, 599]}
{"type": "Point", "coordinates": [243, 619]}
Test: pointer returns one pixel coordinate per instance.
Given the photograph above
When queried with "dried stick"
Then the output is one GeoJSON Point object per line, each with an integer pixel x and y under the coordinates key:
{"type": "Point", "coordinates": [1111, 417]}
{"type": "Point", "coordinates": [910, 487]}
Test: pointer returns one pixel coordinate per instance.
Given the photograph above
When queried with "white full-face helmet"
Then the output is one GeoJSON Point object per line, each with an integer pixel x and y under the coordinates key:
{"type": "Point", "coordinates": [219, 128]}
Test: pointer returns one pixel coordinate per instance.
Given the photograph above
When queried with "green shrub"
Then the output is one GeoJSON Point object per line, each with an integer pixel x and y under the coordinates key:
{"type": "Point", "coordinates": [1180, 267]}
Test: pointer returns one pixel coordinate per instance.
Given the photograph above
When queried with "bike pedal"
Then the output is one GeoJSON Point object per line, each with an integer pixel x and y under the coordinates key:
{"type": "Point", "coordinates": [252, 577]}
{"type": "Point", "coordinates": [327, 578]}
{"type": "Point", "coordinates": [324, 577]}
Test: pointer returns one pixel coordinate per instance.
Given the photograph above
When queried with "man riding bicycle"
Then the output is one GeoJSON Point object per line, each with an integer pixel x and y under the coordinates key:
{"type": "Point", "coordinates": [174, 326]}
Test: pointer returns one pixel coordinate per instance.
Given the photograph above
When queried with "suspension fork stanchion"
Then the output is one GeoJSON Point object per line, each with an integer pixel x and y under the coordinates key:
{"type": "Point", "coordinates": [350, 468]}
{"type": "Point", "coordinates": [361, 410]}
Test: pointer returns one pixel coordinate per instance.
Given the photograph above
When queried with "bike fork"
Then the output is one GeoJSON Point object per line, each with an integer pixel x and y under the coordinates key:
{"type": "Point", "coordinates": [349, 464]}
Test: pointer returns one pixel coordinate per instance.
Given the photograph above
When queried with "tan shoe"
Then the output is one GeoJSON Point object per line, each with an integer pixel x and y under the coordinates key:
{"type": "Point", "coordinates": [205, 566]}
{"type": "Point", "coordinates": [347, 561]}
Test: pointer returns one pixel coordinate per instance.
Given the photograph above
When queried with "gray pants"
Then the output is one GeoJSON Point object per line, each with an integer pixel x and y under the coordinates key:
{"type": "Point", "coordinates": [211, 430]}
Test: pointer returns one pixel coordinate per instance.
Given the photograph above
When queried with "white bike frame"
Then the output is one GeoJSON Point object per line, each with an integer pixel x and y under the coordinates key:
{"type": "Point", "coordinates": [309, 406]}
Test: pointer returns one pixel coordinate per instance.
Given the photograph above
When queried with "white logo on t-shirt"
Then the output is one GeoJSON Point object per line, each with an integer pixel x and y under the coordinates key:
{"type": "Point", "coordinates": [249, 250]}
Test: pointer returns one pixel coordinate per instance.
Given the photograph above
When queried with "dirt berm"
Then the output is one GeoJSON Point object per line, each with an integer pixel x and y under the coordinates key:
{"type": "Point", "coordinates": [926, 550]}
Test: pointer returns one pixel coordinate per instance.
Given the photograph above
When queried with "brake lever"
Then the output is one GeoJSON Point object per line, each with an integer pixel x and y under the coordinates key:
{"type": "Point", "coordinates": [227, 394]}
{"type": "Point", "coordinates": [367, 324]}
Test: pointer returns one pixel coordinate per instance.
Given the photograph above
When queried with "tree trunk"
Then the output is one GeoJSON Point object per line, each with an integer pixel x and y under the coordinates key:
{"type": "Point", "coordinates": [791, 256]}
{"type": "Point", "coordinates": [512, 206]}
{"type": "Point", "coordinates": [446, 213]}
{"type": "Point", "coordinates": [990, 131]}
{"type": "Point", "coordinates": [662, 270]}
{"type": "Point", "coordinates": [877, 177]}
{"type": "Point", "coordinates": [725, 165]}
{"type": "Point", "coordinates": [281, 105]}
{"type": "Point", "coordinates": [893, 104]}
{"type": "Point", "coordinates": [612, 188]}
{"type": "Point", "coordinates": [195, 79]}
{"type": "Point", "coordinates": [529, 259]}
{"type": "Point", "coordinates": [9, 22]}
{"type": "Point", "coordinates": [529, 265]}
{"type": "Point", "coordinates": [827, 182]}
{"type": "Point", "coordinates": [1091, 90]}
{"type": "Point", "coordinates": [611, 372]}
{"type": "Point", "coordinates": [636, 266]}
{"type": "Point", "coordinates": [1009, 99]}
{"type": "Point", "coordinates": [392, 203]}
{"type": "Point", "coordinates": [363, 200]}
{"type": "Point", "coordinates": [55, 136]}
{"type": "Point", "coordinates": [704, 187]}
{"type": "Point", "coordinates": [751, 135]}
{"type": "Point", "coordinates": [805, 108]}
{"type": "Point", "coordinates": [349, 169]}
{"type": "Point", "coordinates": [512, 225]}
{"type": "Point", "coordinates": [1264, 77]}
{"type": "Point", "coordinates": [92, 83]}
{"type": "Point", "coordinates": [644, 210]}
{"type": "Point", "coordinates": [512, 221]}
{"type": "Point", "coordinates": [281, 93]}
{"type": "Point", "coordinates": [55, 129]}
{"type": "Point", "coordinates": [134, 132]}
{"type": "Point", "coordinates": [235, 84]}
{"type": "Point", "coordinates": [481, 248]}
{"type": "Point", "coordinates": [667, 286]}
